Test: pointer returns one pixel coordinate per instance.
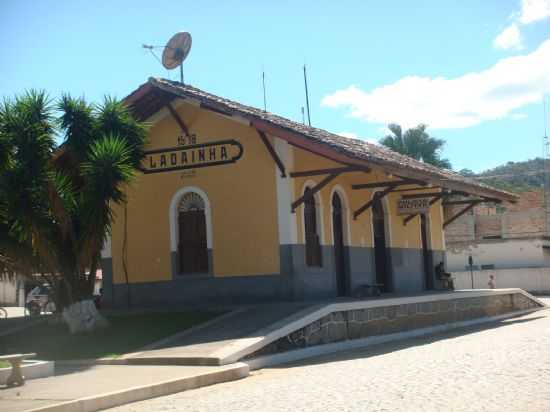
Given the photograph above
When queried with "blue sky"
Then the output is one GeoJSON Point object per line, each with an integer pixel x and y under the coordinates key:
{"type": "Point", "coordinates": [475, 71]}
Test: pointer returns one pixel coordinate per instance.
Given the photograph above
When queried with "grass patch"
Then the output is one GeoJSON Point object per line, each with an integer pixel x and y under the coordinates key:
{"type": "Point", "coordinates": [4, 364]}
{"type": "Point", "coordinates": [127, 333]}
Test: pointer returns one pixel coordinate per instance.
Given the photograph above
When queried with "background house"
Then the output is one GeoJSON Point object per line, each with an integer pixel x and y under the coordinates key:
{"type": "Point", "coordinates": [511, 242]}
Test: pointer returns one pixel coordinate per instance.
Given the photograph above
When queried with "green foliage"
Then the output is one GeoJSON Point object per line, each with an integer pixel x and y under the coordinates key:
{"type": "Point", "coordinates": [513, 176]}
{"type": "Point", "coordinates": [55, 202]}
{"type": "Point", "coordinates": [416, 143]}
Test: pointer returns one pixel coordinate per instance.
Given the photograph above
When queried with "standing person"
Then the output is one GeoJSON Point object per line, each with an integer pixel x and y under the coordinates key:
{"type": "Point", "coordinates": [491, 283]}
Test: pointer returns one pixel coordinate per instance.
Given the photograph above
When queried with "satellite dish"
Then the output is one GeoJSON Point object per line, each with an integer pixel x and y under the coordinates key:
{"type": "Point", "coordinates": [176, 50]}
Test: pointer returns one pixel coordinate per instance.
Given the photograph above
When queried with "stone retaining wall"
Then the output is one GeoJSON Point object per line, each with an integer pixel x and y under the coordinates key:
{"type": "Point", "coordinates": [363, 323]}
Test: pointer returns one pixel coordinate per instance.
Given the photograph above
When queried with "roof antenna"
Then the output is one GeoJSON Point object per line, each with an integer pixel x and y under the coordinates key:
{"type": "Point", "coordinates": [175, 51]}
{"type": "Point", "coordinates": [307, 97]}
{"type": "Point", "coordinates": [263, 85]}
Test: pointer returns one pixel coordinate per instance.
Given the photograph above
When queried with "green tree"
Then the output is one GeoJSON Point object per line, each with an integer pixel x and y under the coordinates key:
{"type": "Point", "coordinates": [55, 200]}
{"type": "Point", "coordinates": [416, 143]}
{"type": "Point", "coordinates": [467, 173]}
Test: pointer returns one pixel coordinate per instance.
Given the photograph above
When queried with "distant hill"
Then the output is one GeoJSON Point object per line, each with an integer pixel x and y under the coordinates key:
{"type": "Point", "coordinates": [514, 176]}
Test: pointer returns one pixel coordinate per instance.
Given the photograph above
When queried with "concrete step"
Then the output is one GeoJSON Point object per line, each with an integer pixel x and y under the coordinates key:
{"type": "Point", "coordinates": [87, 389]}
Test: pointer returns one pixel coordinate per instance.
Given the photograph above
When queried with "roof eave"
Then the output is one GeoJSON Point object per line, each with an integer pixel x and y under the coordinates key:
{"type": "Point", "coordinates": [298, 139]}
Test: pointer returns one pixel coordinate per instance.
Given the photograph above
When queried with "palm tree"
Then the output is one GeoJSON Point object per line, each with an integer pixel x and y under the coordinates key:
{"type": "Point", "coordinates": [416, 143]}
{"type": "Point", "coordinates": [55, 200]}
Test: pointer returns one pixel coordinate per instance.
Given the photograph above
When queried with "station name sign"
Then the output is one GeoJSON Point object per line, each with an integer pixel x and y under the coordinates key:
{"type": "Point", "coordinates": [413, 206]}
{"type": "Point", "coordinates": [192, 156]}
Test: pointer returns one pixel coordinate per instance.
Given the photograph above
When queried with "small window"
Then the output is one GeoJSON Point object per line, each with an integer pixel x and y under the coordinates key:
{"type": "Point", "coordinates": [313, 245]}
{"type": "Point", "coordinates": [487, 267]}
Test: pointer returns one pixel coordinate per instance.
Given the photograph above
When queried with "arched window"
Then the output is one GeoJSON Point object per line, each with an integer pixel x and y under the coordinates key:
{"type": "Point", "coordinates": [192, 238]}
{"type": "Point", "coordinates": [313, 244]}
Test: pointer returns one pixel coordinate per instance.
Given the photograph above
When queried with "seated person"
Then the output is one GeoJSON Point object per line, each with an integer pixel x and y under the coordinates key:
{"type": "Point", "coordinates": [444, 276]}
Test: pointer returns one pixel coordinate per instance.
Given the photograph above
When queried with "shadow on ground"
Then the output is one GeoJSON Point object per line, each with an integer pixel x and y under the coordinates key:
{"type": "Point", "coordinates": [384, 348]}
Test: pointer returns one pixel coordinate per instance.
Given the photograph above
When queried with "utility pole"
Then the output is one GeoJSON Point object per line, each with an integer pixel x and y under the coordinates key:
{"type": "Point", "coordinates": [307, 96]}
{"type": "Point", "coordinates": [471, 264]}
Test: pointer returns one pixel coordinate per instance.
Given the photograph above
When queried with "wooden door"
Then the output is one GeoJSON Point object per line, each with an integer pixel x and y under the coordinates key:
{"type": "Point", "coordinates": [313, 244]}
{"type": "Point", "coordinates": [426, 256]}
{"type": "Point", "coordinates": [338, 236]}
{"type": "Point", "coordinates": [193, 251]}
{"type": "Point", "coordinates": [380, 251]}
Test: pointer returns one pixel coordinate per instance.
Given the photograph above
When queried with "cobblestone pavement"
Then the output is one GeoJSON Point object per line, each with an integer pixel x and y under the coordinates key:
{"type": "Point", "coordinates": [501, 366]}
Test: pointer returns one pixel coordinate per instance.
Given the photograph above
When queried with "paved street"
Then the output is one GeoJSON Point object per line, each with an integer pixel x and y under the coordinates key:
{"type": "Point", "coordinates": [485, 368]}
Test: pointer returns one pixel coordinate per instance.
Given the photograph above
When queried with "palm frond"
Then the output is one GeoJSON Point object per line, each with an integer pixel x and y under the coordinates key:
{"type": "Point", "coordinates": [114, 119]}
{"type": "Point", "coordinates": [416, 143]}
{"type": "Point", "coordinates": [77, 122]}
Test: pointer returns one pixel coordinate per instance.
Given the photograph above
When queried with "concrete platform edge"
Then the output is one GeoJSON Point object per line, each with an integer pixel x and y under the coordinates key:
{"type": "Point", "coordinates": [314, 351]}
{"type": "Point", "coordinates": [140, 393]}
{"type": "Point", "coordinates": [247, 346]}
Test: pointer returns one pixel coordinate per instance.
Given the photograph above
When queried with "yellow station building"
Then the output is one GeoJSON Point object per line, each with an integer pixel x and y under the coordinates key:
{"type": "Point", "coordinates": [236, 204]}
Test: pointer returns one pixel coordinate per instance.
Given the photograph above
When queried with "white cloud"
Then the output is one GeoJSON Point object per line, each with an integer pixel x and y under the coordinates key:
{"type": "Point", "coordinates": [453, 103]}
{"type": "Point", "coordinates": [352, 135]}
{"type": "Point", "coordinates": [531, 11]}
{"type": "Point", "coordinates": [534, 10]}
{"type": "Point", "coordinates": [510, 38]}
{"type": "Point", "coordinates": [384, 131]}
{"type": "Point", "coordinates": [518, 116]}
{"type": "Point", "coordinates": [349, 134]}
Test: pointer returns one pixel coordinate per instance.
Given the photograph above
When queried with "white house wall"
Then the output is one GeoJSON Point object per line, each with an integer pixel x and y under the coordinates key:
{"type": "Point", "coordinates": [535, 280]}
{"type": "Point", "coordinates": [508, 253]}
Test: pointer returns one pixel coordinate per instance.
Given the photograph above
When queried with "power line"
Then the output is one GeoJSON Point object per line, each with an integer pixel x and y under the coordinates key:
{"type": "Point", "coordinates": [532, 173]}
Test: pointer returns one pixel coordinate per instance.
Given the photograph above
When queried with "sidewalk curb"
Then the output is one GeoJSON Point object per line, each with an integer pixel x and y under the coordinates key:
{"type": "Point", "coordinates": [140, 393]}
{"type": "Point", "coordinates": [330, 348]}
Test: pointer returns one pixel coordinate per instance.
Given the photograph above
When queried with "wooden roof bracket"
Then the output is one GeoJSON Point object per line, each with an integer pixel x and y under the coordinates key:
{"type": "Point", "coordinates": [390, 183]}
{"type": "Point", "coordinates": [272, 152]}
{"type": "Point", "coordinates": [437, 197]}
{"type": "Point", "coordinates": [412, 189]}
{"type": "Point", "coordinates": [369, 204]}
{"type": "Point", "coordinates": [313, 190]}
{"type": "Point", "coordinates": [317, 172]}
{"type": "Point", "coordinates": [462, 202]}
{"type": "Point", "coordinates": [177, 118]}
{"type": "Point", "coordinates": [465, 210]}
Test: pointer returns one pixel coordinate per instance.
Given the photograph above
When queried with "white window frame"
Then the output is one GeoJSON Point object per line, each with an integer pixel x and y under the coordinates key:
{"type": "Point", "coordinates": [173, 216]}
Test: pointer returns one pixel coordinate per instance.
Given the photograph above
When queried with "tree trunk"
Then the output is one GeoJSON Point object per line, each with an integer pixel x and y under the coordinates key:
{"type": "Point", "coordinates": [92, 276]}
{"type": "Point", "coordinates": [83, 316]}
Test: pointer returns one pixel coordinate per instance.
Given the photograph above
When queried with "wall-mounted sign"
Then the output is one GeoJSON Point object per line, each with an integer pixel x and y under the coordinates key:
{"type": "Point", "coordinates": [413, 206]}
{"type": "Point", "coordinates": [192, 156]}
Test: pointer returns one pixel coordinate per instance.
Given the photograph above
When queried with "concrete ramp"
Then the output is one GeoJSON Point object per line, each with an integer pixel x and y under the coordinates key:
{"type": "Point", "coordinates": [202, 345]}
{"type": "Point", "coordinates": [269, 334]}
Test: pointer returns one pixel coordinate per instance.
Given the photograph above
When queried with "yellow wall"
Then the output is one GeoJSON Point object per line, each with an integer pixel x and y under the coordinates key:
{"type": "Point", "coordinates": [242, 197]}
{"type": "Point", "coordinates": [361, 229]}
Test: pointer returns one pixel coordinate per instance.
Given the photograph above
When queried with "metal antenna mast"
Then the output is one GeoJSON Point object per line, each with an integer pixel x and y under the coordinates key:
{"type": "Point", "coordinates": [307, 96]}
{"type": "Point", "coordinates": [263, 84]}
{"type": "Point", "coordinates": [545, 154]}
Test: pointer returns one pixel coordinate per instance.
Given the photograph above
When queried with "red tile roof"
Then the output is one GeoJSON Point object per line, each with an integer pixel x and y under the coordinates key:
{"type": "Point", "coordinates": [370, 154]}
